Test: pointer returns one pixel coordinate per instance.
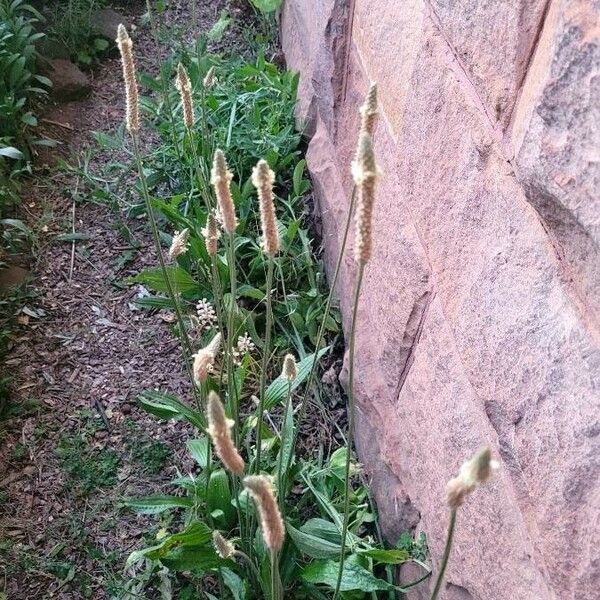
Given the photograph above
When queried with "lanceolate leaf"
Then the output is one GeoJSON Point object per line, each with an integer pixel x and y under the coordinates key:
{"type": "Point", "coordinates": [354, 577]}
{"type": "Point", "coordinates": [219, 496]}
{"type": "Point", "coordinates": [312, 545]}
{"type": "Point", "coordinates": [277, 391]}
{"type": "Point", "coordinates": [199, 449]}
{"type": "Point", "coordinates": [166, 406]}
{"type": "Point", "coordinates": [179, 278]}
{"type": "Point", "coordinates": [156, 504]}
{"type": "Point", "coordinates": [192, 558]}
{"type": "Point", "coordinates": [389, 557]}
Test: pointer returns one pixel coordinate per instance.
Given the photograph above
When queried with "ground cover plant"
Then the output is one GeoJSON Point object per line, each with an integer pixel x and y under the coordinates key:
{"type": "Point", "coordinates": [262, 521]}
{"type": "Point", "coordinates": [21, 86]}
{"type": "Point", "coordinates": [71, 24]}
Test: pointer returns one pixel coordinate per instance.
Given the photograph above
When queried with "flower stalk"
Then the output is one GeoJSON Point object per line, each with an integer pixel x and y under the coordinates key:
{"type": "Point", "coordinates": [364, 171]}
{"type": "Point", "coordinates": [133, 126]}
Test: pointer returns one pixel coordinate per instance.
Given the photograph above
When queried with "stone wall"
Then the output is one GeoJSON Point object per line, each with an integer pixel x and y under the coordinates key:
{"type": "Point", "coordinates": [480, 317]}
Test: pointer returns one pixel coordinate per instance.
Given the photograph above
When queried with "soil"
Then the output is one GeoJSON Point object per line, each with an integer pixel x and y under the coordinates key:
{"type": "Point", "coordinates": [82, 354]}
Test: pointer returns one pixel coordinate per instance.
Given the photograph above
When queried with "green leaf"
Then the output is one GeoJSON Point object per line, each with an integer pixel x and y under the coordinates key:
{"type": "Point", "coordinates": [278, 389]}
{"type": "Point", "coordinates": [159, 302]}
{"type": "Point", "coordinates": [180, 279]}
{"type": "Point", "coordinates": [354, 577]}
{"type": "Point", "coordinates": [29, 119]}
{"type": "Point", "coordinates": [195, 535]}
{"type": "Point", "coordinates": [337, 464]}
{"type": "Point", "coordinates": [388, 557]}
{"type": "Point", "coordinates": [17, 224]}
{"type": "Point", "coordinates": [153, 505]}
{"type": "Point", "coordinates": [219, 497]}
{"type": "Point", "coordinates": [250, 291]}
{"type": "Point", "coordinates": [235, 583]}
{"type": "Point", "coordinates": [218, 29]}
{"type": "Point", "coordinates": [11, 152]}
{"type": "Point", "coordinates": [297, 177]}
{"type": "Point", "coordinates": [192, 558]}
{"type": "Point", "coordinates": [200, 450]}
{"type": "Point", "coordinates": [166, 406]}
{"type": "Point", "coordinates": [100, 44]}
{"type": "Point", "coordinates": [312, 545]}
{"type": "Point", "coordinates": [267, 5]}
{"type": "Point", "coordinates": [71, 237]}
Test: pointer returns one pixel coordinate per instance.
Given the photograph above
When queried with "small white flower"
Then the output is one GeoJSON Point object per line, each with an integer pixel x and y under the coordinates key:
{"type": "Point", "coordinates": [207, 316]}
{"type": "Point", "coordinates": [243, 347]}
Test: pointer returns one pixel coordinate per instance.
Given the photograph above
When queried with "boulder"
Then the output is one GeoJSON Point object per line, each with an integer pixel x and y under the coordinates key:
{"type": "Point", "coordinates": [106, 21]}
{"type": "Point", "coordinates": [479, 321]}
{"type": "Point", "coordinates": [68, 81]}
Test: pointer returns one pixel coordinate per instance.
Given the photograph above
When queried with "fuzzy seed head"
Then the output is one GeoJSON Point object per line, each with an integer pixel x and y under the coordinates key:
{"type": "Point", "coordinates": [224, 548]}
{"type": "Point", "coordinates": [290, 369]}
{"type": "Point", "coordinates": [219, 429]}
{"type": "Point", "coordinates": [261, 490]}
{"type": "Point", "coordinates": [184, 85]}
{"type": "Point", "coordinates": [473, 473]}
{"type": "Point", "coordinates": [263, 179]}
{"type": "Point", "coordinates": [131, 91]}
{"type": "Point", "coordinates": [211, 235]}
{"type": "Point", "coordinates": [368, 111]}
{"type": "Point", "coordinates": [205, 358]}
{"type": "Point", "coordinates": [209, 79]}
{"type": "Point", "coordinates": [221, 178]}
{"type": "Point", "coordinates": [365, 175]}
{"type": "Point", "coordinates": [179, 244]}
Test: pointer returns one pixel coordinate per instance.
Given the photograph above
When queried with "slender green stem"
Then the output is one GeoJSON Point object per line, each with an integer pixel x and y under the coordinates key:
{"type": "Point", "coordinates": [203, 121]}
{"type": "Point", "coordinates": [276, 586]}
{"type": "Point", "coordinates": [265, 362]}
{"type": "Point", "coordinates": [233, 399]}
{"type": "Point", "coordinates": [202, 180]}
{"type": "Point", "coordinates": [169, 108]}
{"type": "Point", "coordinates": [351, 413]}
{"type": "Point", "coordinates": [280, 484]}
{"type": "Point", "coordinates": [446, 555]}
{"type": "Point", "coordinates": [187, 346]}
{"type": "Point", "coordinates": [321, 333]}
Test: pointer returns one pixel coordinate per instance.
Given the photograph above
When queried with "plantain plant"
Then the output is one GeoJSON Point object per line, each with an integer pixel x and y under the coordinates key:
{"type": "Point", "coordinates": [259, 516]}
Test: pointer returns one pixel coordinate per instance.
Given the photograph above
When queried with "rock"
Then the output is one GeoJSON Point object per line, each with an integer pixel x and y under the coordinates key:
{"type": "Point", "coordinates": [50, 48]}
{"type": "Point", "coordinates": [106, 21]}
{"type": "Point", "coordinates": [12, 276]}
{"type": "Point", "coordinates": [479, 321]}
{"type": "Point", "coordinates": [68, 81]}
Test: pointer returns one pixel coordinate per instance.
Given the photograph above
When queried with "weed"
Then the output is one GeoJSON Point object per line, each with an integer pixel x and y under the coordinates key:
{"type": "Point", "coordinates": [71, 23]}
{"type": "Point", "coordinates": [88, 468]}
{"type": "Point", "coordinates": [150, 455]}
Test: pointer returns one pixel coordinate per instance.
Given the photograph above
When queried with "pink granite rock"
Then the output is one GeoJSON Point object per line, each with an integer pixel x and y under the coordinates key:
{"type": "Point", "coordinates": [480, 317]}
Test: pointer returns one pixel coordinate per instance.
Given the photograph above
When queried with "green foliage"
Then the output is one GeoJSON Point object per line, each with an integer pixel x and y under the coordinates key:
{"type": "Point", "coordinates": [21, 85]}
{"type": "Point", "coordinates": [87, 467]}
{"type": "Point", "coordinates": [309, 559]}
{"type": "Point", "coordinates": [72, 26]}
{"type": "Point", "coordinates": [249, 113]}
{"type": "Point", "coordinates": [267, 5]}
